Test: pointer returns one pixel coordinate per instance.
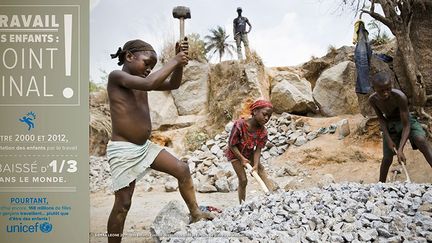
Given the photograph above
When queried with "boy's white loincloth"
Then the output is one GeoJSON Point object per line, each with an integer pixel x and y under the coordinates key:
{"type": "Point", "coordinates": [129, 161]}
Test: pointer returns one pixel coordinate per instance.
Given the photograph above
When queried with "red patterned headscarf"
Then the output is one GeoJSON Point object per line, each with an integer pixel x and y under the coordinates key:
{"type": "Point", "coordinates": [260, 104]}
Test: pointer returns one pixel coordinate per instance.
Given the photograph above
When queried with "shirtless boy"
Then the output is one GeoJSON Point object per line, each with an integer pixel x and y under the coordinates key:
{"type": "Point", "coordinates": [397, 125]}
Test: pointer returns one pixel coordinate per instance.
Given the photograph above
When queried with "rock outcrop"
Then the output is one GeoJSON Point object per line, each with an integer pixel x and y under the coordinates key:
{"type": "Point", "coordinates": [334, 92]}
{"type": "Point", "coordinates": [191, 97]}
{"type": "Point", "coordinates": [292, 94]}
{"type": "Point", "coordinates": [231, 85]}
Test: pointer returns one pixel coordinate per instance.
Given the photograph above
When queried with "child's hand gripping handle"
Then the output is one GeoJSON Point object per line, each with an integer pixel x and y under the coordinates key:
{"type": "Point", "coordinates": [258, 178]}
{"type": "Point", "coordinates": [403, 166]}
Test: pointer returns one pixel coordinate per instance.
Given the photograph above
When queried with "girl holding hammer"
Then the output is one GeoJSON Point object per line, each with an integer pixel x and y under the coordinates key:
{"type": "Point", "coordinates": [247, 138]}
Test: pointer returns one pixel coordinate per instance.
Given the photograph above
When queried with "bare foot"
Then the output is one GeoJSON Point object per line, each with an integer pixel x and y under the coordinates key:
{"type": "Point", "coordinates": [201, 216]}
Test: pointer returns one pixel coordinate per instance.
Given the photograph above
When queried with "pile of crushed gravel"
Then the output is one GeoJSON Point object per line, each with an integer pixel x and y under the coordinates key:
{"type": "Point", "coordinates": [349, 212]}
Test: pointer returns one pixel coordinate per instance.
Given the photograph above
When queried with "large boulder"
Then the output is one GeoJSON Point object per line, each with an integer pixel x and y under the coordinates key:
{"type": "Point", "coordinates": [314, 68]}
{"type": "Point", "coordinates": [292, 94]}
{"type": "Point", "coordinates": [334, 92]}
{"type": "Point", "coordinates": [163, 111]}
{"type": "Point", "coordinates": [191, 97]}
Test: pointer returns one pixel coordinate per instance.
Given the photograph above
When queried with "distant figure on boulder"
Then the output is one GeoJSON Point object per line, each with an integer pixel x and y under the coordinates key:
{"type": "Point", "coordinates": [240, 33]}
{"type": "Point", "coordinates": [397, 124]}
{"type": "Point", "coordinates": [130, 152]}
{"type": "Point", "coordinates": [245, 142]}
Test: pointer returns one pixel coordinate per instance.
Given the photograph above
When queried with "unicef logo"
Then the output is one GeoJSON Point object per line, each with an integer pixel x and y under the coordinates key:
{"type": "Point", "coordinates": [46, 227]}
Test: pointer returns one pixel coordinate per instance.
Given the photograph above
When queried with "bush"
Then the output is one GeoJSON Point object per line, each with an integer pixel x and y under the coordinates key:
{"type": "Point", "coordinates": [194, 139]}
{"type": "Point", "coordinates": [93, 87]}
{"type": "Point", "coordinates": [196, 49]}
{"type": "Point", "coordinates": [255, 58]}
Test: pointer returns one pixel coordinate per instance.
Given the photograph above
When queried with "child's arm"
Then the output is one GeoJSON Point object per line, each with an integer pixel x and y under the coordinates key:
{"type": "Point", "coordinates": [152, 81]}
{"type": "Point", "coordinates": [383, 123]}
{"type": "Point", "coordinates": [238, 155]}
{"type": "Point", "coordinates": [404, 114]}
{"type": "Point", "coordinates": [256, 158]}
{"type": "Point", "coordinates": [177, 75]}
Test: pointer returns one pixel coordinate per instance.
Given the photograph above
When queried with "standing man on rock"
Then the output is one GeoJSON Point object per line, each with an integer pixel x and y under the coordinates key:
{"type": "Point", "coordinates": [240, 33]}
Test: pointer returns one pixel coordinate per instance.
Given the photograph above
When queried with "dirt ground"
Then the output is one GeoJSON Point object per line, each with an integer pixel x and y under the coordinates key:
{"type": "Point", "coordinates": [354, 158]}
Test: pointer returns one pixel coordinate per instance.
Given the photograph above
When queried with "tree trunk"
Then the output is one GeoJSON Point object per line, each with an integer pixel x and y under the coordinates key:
{"type": "Point", "coordinates": [415, 83]}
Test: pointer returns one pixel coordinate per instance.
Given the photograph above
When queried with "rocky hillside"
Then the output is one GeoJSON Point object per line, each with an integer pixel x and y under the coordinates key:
{"type": "Point", "coordinates": [212, 95]}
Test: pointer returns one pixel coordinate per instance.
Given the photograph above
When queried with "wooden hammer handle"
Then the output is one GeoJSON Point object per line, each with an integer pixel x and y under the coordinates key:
{"type": "Point", "coordinates": [258, 178]}
{"type": "Point", "coordinates": [182, 32]}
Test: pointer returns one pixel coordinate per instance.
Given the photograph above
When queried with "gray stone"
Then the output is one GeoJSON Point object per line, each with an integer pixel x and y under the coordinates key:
{"type": "Point", "coordinates": [222, 185]}
{"type": "Point", "coordinates": [194, 84]}
{"type": "Point", "coordinates": [300, 141]}
{"type": "Point", "coordinates": [367, 235]}
{"type": "Point", "coordinates": [210, 143]}
{"type": "Point", "coordinates": [228, 127]}
{"type": "Point", "coordinates": [170, 219]}
{"type": "Point", "coordinates": [292, 184]}
{"type": "Point", "coordinates": [283, 128]}
{"type": "Point", "coordinates": [274, 152]}
{"type": "Point", "coordinates": [337, 238]}
{"type": "Point", "coordinates": [272, 130]}
{"type": "Point", "coordinates": [383, 232]}
{"type": "Point", "coordinates": [312, 236]}
{"type": "Point", "coordinates": [312, 135]}
{"type": "Point", "coordinates": [291, 93]}
{"type": "Point", "coordinates": [266, 155]}
{"type": "Point", "coordinates": [343, 128]}
{"type": "Point", "coordinates": [335, 90]}
{"type": "Point", "coordinates": [171, 185]}
{"type": "Point", "coordinates": [325, 180]}
{"type": "Point", "coordinates": [206, 187]}
{"type": "Point", "coordinates": [371, 217]}
{"type": "Point", "coordinates": [215, 149]}
{"type": "Point", "coordinates": [163, 109]}
{"type": "Point", "coordinates": [233, 183]}
{"type": "Point", "coordinates": [348, 236]}
{"type": "Point", "coordinates": [427, 196]}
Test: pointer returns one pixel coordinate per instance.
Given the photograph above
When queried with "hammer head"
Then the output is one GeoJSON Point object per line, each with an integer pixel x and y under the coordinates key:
{"type": "Point", "coordinates": [181, 12]}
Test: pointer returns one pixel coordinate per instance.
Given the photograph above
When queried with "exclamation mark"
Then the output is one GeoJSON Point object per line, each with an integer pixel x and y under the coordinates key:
{"type": "Point", "coordinates": [68, 42]}
{"type": "Point", "coordinates": [68, 92]}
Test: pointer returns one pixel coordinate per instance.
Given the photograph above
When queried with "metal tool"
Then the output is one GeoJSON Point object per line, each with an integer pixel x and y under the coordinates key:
{"type": "Point", "coordinates": [395, 172]}
{"type": "Point", "coordinates": [258, 178]}
{"type": "Point", "coordinates": [181, 13]}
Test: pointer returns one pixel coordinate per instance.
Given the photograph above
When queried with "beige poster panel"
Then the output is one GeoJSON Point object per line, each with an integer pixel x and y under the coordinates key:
{"type": "Point", "coordinates": [44, 121]}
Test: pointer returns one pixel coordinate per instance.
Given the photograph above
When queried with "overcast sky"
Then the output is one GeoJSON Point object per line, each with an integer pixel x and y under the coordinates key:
{"type": "Point", "coordinates": [284, 32]}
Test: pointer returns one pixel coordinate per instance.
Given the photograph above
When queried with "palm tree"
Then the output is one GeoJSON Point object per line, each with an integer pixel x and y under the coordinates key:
{"type": "Point", "coordinates": [217, 42]}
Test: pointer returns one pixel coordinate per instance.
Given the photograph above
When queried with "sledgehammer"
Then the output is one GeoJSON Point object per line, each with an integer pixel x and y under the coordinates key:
{"type": "Point", "coordinates": [258, 178]}
{"type": "Point", "coordinates": [181, 13]}
{"type": "Point", "coordinates": [403, 167]}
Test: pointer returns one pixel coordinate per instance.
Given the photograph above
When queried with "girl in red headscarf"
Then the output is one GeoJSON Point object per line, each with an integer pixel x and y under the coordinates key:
{"type": "Point", "coordinates": [247, 138]}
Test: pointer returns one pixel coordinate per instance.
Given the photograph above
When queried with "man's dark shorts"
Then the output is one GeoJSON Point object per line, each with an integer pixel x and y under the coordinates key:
{"type": "Point", "coordinates": [395, 130]}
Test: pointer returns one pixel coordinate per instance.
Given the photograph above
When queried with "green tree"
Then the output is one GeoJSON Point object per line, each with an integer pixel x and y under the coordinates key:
{"type": "Point", "coordinates": [197, 50]}
{"type": "Point", "coordinates": [217, 42]}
